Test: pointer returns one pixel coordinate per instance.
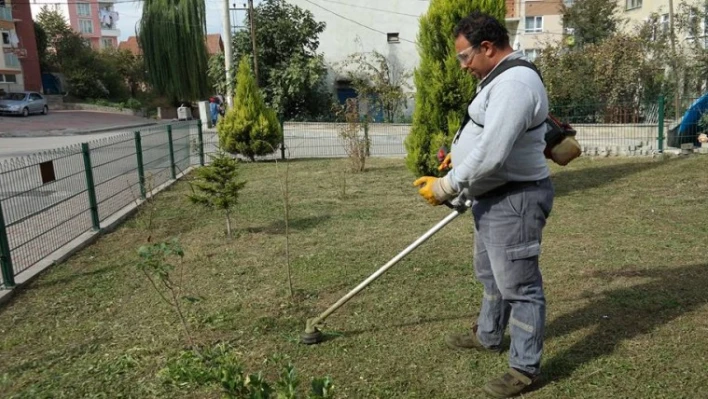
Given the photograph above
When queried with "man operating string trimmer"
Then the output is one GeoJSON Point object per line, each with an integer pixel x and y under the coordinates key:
{"type": "Point", "coordinates": [498, 161]}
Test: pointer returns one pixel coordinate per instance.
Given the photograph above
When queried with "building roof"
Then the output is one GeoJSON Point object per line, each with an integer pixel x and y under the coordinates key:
{"type": "Point", "coordinates": [213, 42]}
{"type": "Point", "coordinates": [131, 45]}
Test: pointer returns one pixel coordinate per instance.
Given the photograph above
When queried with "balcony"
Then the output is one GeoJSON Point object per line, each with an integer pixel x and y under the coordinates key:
{"type": "Point", "coordinates": [110, 32]}
{"type": "Point", "coordinates": [12, 61]}
{"type": "Point", "coordinates": [5, 14]}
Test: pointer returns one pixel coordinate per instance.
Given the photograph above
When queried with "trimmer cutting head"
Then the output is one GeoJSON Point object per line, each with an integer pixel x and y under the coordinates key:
{"type": "Point", "coordinates": [312, 335]}
{"type": "Point", "coordinates": [311, 338]}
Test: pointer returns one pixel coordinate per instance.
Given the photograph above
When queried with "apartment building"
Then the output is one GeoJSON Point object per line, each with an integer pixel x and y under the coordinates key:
{"type": "Point", "coordinates": [540, 23]}
{"type": "Point", "coordinates": [656, 12]}
{"type": "Point", "coordinates": [95, 20]}
{"type": "Point", "coordinates": [19, 64]}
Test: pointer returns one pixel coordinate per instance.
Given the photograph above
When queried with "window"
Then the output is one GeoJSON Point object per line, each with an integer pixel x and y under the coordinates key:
{"type": "Point", "coordinates": [6, 38]}
{"type": "Point", "coordinates": [35, 97]}
{"type": "Point", "coordinates": [665, 23]}
{"type": "Point", "coordinates": [393, 37]}
{"type": "Point", "coordinates": [531, 54]}
{"type": "Point", "coordinates": [632, 4]}
{"type": "Point", "coordinates": [83, 9]}
{"type": "Point", "coordinates": [86, 26]}
{"type": "Point", "coordinates": [8, 78]}
{"type": "Point", "coordinates": [106, 42]}
{"type": "Point", "coordinates": [534, 24]}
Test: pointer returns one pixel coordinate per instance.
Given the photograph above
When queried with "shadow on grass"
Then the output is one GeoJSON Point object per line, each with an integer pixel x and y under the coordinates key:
{"type": "Point", "coordinates": [625, 313]}
{"type": "Point", "coordinates": [568, 181]}
{"type": "Point", "coordinates": [278, 226]}
{"type": "Point", "coordinates": [422, 321]}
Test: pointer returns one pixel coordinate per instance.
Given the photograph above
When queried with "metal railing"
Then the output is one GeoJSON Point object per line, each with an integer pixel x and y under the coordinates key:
{"type": "Point", "coordinates": [51, 198]}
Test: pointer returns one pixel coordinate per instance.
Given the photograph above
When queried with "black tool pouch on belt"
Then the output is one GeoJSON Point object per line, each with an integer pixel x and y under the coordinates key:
{"type": "Point", "coordinates": [561, 146]}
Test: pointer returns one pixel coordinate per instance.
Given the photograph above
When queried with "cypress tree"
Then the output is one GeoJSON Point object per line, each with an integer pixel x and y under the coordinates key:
{"type": "Point", "coordinates": [443, 89]}
{"type": "Point", "coordinates": [249, 128]}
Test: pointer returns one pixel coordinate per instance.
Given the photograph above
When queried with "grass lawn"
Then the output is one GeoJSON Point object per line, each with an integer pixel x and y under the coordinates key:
{"type": "Point", "coordinates": [624, 263]}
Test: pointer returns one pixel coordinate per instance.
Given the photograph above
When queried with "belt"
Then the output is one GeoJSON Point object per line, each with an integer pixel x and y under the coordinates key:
{"type": "Point", "coordinates": [509, 187]}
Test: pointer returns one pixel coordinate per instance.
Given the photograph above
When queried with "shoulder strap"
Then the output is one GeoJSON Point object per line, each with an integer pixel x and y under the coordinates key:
{"type": "Point", "coordinates": [502, 67]}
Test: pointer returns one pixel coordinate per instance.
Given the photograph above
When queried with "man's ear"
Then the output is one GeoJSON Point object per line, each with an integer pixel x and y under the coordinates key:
{"type": "Point", "coordinates": [488, 48]}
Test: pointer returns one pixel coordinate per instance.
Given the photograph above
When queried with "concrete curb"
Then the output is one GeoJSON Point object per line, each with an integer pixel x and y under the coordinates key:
{"type": "Point", "coordinates": [81, 242]}
{"type": "Point", "coordinates": [26, 134]}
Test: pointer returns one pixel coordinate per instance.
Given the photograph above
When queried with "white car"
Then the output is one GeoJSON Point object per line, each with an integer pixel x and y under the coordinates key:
{"type": "Point", "coordinates": [23, 103]}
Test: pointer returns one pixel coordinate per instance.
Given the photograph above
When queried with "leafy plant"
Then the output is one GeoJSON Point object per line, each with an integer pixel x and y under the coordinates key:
{"type": "Point", "coordinates": [291, 73]}
{"type": "Point", "coordinates": [380, 80]}
{"type": "Point", "coordinates": [157, 264]}
{"type": "Point", "coordinates": [218, 186]}
{"type": "Point", "coordinates": [356, 144]}
{"type": "Point", "coordinates": [218, 365]}
{"type": "Point", "coordinates": [249, 127]}
{"type": "Point", "coordinates": [592, 21]}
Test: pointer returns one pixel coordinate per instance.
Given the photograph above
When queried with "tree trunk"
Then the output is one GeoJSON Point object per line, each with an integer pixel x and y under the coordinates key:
{"type": "Point", "coordinates": [228, 225]}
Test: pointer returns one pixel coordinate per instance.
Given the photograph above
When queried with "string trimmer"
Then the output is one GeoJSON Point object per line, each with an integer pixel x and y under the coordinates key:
{"type": "Point", "coordinates": [313, 335]}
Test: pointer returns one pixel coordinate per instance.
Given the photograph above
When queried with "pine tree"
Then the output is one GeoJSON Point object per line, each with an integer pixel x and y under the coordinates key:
{"type": "Point", "coordinates": [443, 90]}
{"type": "Point", "coordinates": [217, 185]}
{"type": "Point", "coordinates": [249, 127]}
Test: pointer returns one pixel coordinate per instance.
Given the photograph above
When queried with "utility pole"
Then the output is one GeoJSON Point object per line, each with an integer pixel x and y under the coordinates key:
{"type": "Point", "coordinates": [252, 22]}
{"type": "Point", "coordinates": [673, 52]}
{"type": "Point", "coordinates": [228, 57]}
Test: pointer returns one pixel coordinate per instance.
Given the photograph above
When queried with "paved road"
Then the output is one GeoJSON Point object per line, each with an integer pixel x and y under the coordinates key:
{"type": "Point", "coordinates": [65, 122]}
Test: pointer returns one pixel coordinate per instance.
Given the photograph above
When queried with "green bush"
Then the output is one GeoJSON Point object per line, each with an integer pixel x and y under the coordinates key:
{"type": "Point", "coordinates": [443, 90]}
{"type": "Point", "coordinates": [219, 365]}
{"type": "Point", "coordinates": [249, 127]}
{"type": "Point", "coordinates": [133, 104]}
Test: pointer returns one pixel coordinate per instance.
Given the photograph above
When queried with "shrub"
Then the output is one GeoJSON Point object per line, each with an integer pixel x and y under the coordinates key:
{"type": "Point", "coordinates": [249, 127]}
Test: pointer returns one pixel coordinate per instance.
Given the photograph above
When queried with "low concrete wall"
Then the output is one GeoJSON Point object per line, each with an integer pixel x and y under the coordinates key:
{"type": "Point", "coordinates": [101, 108]}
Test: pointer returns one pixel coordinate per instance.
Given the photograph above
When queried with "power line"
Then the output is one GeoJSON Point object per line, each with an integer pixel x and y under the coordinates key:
{"type": "Point", "coordinates": [356, 22]}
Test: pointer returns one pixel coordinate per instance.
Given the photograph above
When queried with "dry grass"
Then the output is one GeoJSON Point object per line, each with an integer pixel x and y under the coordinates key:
{"type": "Point", "coordinates": [624, 263]}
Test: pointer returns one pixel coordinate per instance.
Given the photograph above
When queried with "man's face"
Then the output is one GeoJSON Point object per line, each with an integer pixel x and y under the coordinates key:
{"type": "Point", "coordinates": [471, 58]}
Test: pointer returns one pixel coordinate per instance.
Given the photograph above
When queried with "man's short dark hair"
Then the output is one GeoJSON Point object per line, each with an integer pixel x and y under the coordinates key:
{"type": "Point", "coordinates": [479, 27]}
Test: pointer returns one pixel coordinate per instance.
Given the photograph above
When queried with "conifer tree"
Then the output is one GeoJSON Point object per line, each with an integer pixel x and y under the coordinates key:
{"type": "Point", "coordinates": [249, 128]}
{"type": "Point", "coordinates": [443, 90]}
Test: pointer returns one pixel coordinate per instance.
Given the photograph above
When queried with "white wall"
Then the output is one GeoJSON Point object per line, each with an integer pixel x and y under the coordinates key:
{"type": "Point", "coordinates": [362, 26]}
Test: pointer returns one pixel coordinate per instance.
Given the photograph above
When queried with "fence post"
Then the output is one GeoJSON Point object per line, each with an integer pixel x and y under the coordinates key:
{"type": "Point", "coordinates": [172, 152]}
{"type": "Point", "coordinates": [282, 139]}
{"type": "Point", "coordinates": [200, 142]}
{"type": "Point", "coordinates": [366, 136]}
{"type": "Point", "coordinates": [8, 274]}
{"type": "Point", "coordinates": [93, 204]}
{"type": "Point", "coordinates": [141, 169]}
{"type": "Point", "coordinates": [661, 123]}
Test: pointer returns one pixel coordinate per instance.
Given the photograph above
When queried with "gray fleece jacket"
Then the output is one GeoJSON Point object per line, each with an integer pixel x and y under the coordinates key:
{"type": "Point", "coordinates": [505, 149]}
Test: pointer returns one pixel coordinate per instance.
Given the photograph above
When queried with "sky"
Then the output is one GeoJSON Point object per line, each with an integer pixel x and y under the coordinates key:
{"type": "Point", "coordinates": [130, 13]}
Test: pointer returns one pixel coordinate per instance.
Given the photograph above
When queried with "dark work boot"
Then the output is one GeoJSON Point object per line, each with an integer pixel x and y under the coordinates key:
{"type": "Point", "coordinates": [469, 341]}
{"type": "Point", "coordinates": [512, 383]}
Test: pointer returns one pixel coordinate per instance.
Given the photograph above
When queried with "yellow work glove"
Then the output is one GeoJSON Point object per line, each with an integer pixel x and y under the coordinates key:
{"type": "Point", "coordinates": [435, 190]}
{"type": "Point", "coordinates": [446, 163]}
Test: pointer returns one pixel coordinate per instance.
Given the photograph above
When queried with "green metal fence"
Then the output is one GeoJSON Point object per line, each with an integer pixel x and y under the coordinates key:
{"type": "Point", "coordinates": [51, 198]}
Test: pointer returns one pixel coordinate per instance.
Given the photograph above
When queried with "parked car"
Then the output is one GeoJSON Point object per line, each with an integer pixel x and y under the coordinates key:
{"type": "Point", "coordinates": [23, 103]}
